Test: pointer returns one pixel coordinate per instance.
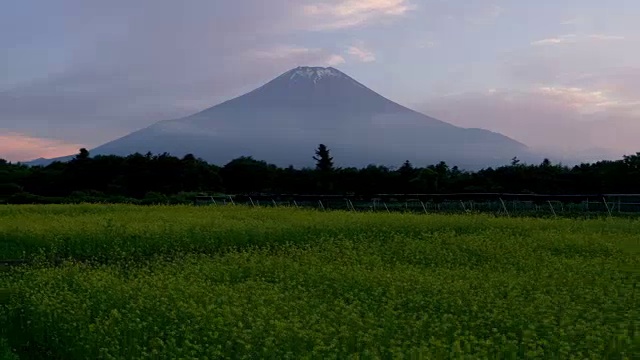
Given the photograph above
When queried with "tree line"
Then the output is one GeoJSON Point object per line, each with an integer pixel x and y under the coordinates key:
{"type": "Point", "coordinates": [164, 177]}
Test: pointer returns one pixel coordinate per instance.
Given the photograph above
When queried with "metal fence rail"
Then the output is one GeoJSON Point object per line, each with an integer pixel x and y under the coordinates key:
{"type": "Point", "coordinates": [500, 203]}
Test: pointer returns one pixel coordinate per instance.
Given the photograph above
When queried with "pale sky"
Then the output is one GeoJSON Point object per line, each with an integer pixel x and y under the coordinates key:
{"type": "Point", "coordinates": [557, 75]}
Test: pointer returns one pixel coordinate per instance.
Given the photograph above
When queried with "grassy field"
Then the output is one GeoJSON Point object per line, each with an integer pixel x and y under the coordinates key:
{"type": "Point", "coordinates": [211, 282]}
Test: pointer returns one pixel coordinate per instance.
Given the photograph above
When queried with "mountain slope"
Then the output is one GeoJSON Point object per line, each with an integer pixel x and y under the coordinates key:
{"type": "Point", "coordinates": [284, 120]}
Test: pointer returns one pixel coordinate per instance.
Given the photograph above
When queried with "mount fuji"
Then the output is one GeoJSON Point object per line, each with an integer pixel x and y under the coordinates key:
{"type": "Point", "coordinates": [284, 120]}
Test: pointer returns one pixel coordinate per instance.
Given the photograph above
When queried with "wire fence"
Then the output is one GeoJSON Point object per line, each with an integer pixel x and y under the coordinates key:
{"type": "Point", "coordinates": [499, 204]}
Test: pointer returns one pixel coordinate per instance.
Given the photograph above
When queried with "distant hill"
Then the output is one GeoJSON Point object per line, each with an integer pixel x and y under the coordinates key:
{"type": "Point", "coordinates": [283, 121]}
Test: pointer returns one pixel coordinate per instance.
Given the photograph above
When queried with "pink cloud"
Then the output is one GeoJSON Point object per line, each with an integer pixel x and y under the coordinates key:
{"type": "Point", "coordinates": [20, 147]}
{"type": "Point", "coordinates": [565, 121]}
{"type": "Point", "coordinates": [569, 98]}
{"type": "Point", "coordinates": [334, 14]}
{"type": "Point", "coordinates": [360, 52]}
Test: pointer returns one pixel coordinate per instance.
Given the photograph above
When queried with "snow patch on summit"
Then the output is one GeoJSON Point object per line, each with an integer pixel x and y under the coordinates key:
{"type": "Point", "coordinates": [314, 73]}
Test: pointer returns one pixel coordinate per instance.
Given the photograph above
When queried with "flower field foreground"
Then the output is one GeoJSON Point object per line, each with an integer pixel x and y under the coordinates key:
{"type": "Point", "coordinates": [184, 282]}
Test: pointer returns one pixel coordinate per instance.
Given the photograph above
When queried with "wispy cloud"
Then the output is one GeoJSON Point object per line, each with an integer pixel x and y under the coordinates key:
{"type": "Point", "coordinates": [339, 14]}
{"type": "Point", "coordinates": [573, 21]}
{"type": "Point", "coordinates": [425, 40]}
{"type": "Point", "coordinates": [427, 44]}
{"type": "Point", "coordinates": [301, 54]}
{"type": "Point", "coordinates": [563, 39]}
{"type": "Point", "coordinates": [487, 15]}
{"type": "Point", "coordinates": [283, 52]}
{"type": "Point", "coordinates": [606, 37]}
{"type": "Point", "coordinates": [561, 119]}
{"type": "Point", "coordinates": [529, 117]}
{"type": "Point", "coordinates": [581, 99]}
{"type": "Point", "coordinates": [335, 59]}
{"type": "Point", "coordinates": [573, 38]}
{"type": "Point", "coordinates": [361, 53]}
{"type": "Point", "coordinates": [21, 147]}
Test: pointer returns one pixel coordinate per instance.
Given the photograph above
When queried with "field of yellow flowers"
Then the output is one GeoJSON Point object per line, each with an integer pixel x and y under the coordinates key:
{"type": "Point", "coordinates": [114, 282]}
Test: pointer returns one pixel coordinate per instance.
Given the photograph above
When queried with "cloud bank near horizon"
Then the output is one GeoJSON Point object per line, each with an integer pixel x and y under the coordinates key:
{"type": "Point", "coordinates": [21, 148]}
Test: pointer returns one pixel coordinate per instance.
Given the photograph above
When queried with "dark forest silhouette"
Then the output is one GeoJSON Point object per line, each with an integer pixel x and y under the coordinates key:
{"type": "Point", "coordinates": [156, 177]}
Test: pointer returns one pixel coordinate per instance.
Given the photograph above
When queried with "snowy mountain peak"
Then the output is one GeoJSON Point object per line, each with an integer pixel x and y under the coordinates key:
{"type": "Point", "coordinates": [284, 119]}
{"type": "Point", "coordinates": [314, 74]}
